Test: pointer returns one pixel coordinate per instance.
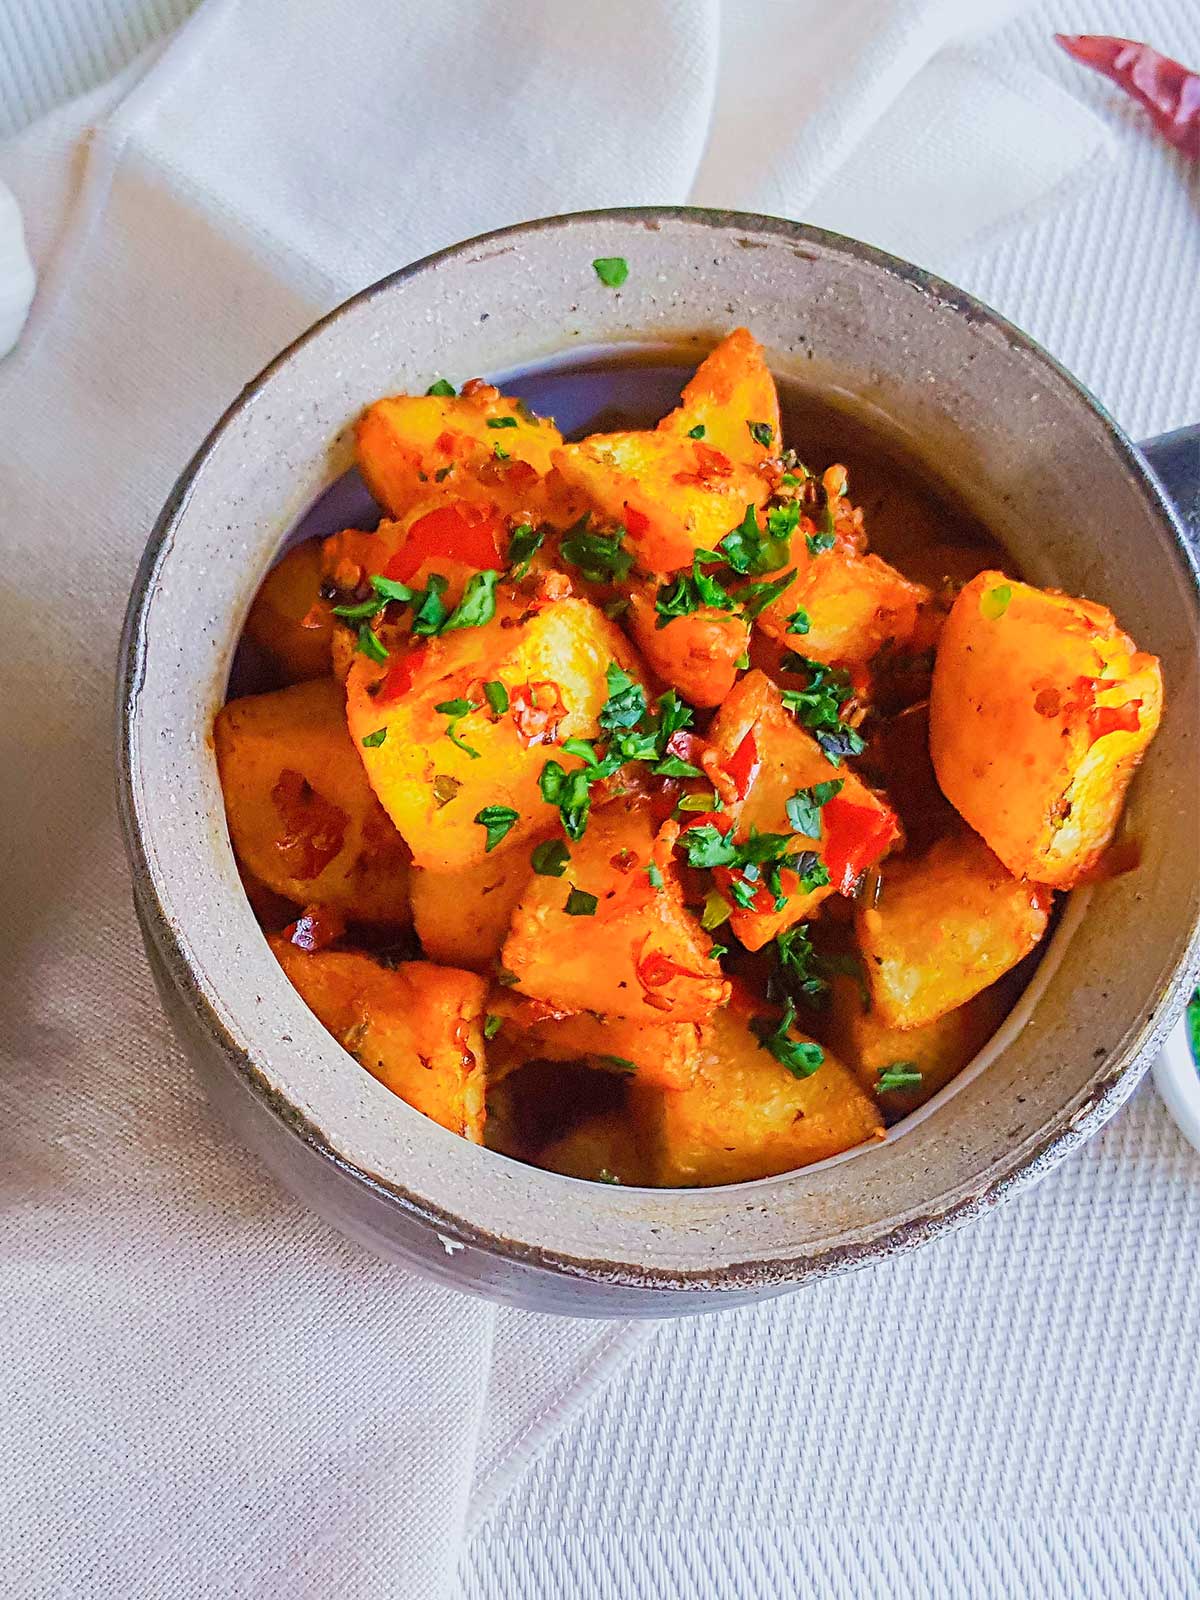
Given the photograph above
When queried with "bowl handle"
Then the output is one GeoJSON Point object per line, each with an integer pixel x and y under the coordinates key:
{"type": "Point", "coordinates": [1174, 459]}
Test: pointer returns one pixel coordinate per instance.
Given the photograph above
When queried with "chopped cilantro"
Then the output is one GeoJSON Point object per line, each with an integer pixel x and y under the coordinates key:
{"type": "Point", "coordinates": [580, 903]}
{"type": "Point", "coordinates": [822, 540]}
{"type": "Point", "coordinates": [799, 622]}
{"type": "Point", "coordinates": [371, 645]}
{"type": "Point", "coordinates": [443, 473]}
{"type": "Point", "coordinates": [583, 748]}
{"type": "Point", "coordinates": [621, 1063]}
{"type": "Point", "coordinates": [550, 859]}
{"type": "Point", "coordinates": [993, 603]}
{"type": "Point", "coordinates": [755, 597]}
{"type": "Point", "coordinates": [676, 767]}
{"type": "Point", "coordinates": [818, 706]}
{"type": "Point", "coordinates": [502, 422]}
{"type": "Point", "coordinates": [749, 550]}
{"type": "Point", "coordinates": [478, 604]}
{"type": "Point", "coordinates": [569, 792]}
{"type": "Point", "coordinates": [499, 452]}
{"type": "Point", "coordinates": [492, 1025]}
{"type": "Point", "coordinates": [601, 557]}
{"type": "Point", "coordinates": [804, 807]}
{"type": "Point", "coordinates": [429, 610]}
{"type": "Point", "coordinates": [360, 610]}
{"type": "Point", "coordinates": [800, 1056]}
{"type": "Point", "coordinates": [440, 387]}
{"type": "Point", "coordinates": [524, 543]}
{"type": "Point", "coordinates": [716, 951]}
{"type": "Point", "coordinates": [496, 696]}
{"type": "Point", "coordinates": [797, 964]}
{"type": "Point", "coordinates": [611, 270]}
{"type": "Point", "coordinates": [390, 589]}
{"type": "Point", "coordinates": [762, 433]}
{"type": "Point", "coordinates": [697, 432]}
{"type": "Point", "coordinates": [706, 846]}
{"type": "Point", "coordinates": [372, 741]}
{"type": "Point", "coordinates": [498, 822]}
{"type": "Point", "coordinates": [626, 703]}
{"type": "Point", "coordinates": [456, 710]}
{"type": "Point", "coordinates": [900, 1075]}
{"type": "Point", "coordinates": [654, 873]}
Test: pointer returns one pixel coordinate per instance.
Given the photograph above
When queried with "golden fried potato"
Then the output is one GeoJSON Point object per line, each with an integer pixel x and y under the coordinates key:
{"type": "Point", "coordinates": [1041, 711]}
{"type": "Point", "coordinates": [947, 924]}
{"type": "Point", "coordinates": [552, 665]}
{"type": "Point", "coordinates": [607, 1148]}
{"type": "Point", "coordinates": [631, 951]}
{"type": "Point", "coordinates": [697, 654]}
{"type": "Point", "coordinates": [746, 1116]}
{"type": "Point", "coordinates": [732, 397]}
{"type": "Point", "coordinates": [672, 495]}
{"type": "Point", "coordinates": [415, 1027]}
{"type": "Point", "coordinates": [462, 917]}
{"type": "Point", "coordinates": [938, 1050]}
{"type": "Point", "coordinates": [660, 1053]}
{"type": "Point", "coordinates": [413, 446]}
{"type": "Point", "coordinates": [854, 606]}
{"type": "Point", "coordinates": [770, 758]}
{"type": "Point", "coordinates": [289, 621]}
{"type": "Point", "coordinates": [302, 816]}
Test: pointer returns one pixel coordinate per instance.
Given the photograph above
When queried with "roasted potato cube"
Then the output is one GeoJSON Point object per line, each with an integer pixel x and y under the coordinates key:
{"type": "Point", "coordinates": [302, 816]}
{"type": "Point", "coordinates": [697, 654]}
{"type": "Point", "coordinates": [606, 1148]}
{"type": "Point", "coordinates": [289, 621]}
{"type": "Point", "coordinates": [552, 666]}
{"type": "Point", "coordinates": [631, 951]}
{"type": "Point", "coordinates": [854, 605]}
{"type": "Point", "coordinates": [937, 1050]}
{"type": "Point", "coordinates": [770, 759]}
{"type": "Point", "coordinates": [1041, 710]}
{"type": "Point", "coordinates": [410, 445]}
{"type": "Point", "coordinates": [746, 1116]}
{"type": "Point", "coordinates": [673, 495]}
{"type": "Point", "coordinates": [415, 1027]}
{"type": "Point", "coordinates": [947, 924]}
{"type": "Point", "coordinates": [462, 917]}
{"type": "Point", "coordinates": [732, 398]}
{"type": "Point", "coordinates": [660, 1053]}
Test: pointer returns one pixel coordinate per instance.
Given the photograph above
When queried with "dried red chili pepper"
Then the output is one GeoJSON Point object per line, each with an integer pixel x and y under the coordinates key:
{"type": "Point", "coordinates": [1169, 91]}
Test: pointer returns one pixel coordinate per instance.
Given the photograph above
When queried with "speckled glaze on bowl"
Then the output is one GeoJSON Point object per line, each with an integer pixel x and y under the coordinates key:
{"type": "Point", "coordinates": [1030, 452]}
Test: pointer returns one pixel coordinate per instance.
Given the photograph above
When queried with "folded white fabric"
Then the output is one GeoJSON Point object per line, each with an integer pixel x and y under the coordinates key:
{"type": "Point", "coordinates": [207, 1392]}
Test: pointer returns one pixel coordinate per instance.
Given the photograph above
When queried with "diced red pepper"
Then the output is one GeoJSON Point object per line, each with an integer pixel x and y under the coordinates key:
{"type": "Point", "coordinates": [636, 522]}
{"type": "Point", "coordinates": [461, 531]}
{"type": "Point", "coordinates": [1169, 91]}
{"type": "Point", "coordinates": [538, 710]}
{"type": "Point", "coordinates": [399, 678]}
{"type": "Point", "coordinates": [1114, 719]}
{"type": "Point", "coordinates": [744, 765]}
{"type": "Point", "coordinates": [853, 838]}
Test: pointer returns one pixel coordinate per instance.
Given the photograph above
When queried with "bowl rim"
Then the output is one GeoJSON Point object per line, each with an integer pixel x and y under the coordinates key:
{"type": "Point", "coordinates": [777, 1273]}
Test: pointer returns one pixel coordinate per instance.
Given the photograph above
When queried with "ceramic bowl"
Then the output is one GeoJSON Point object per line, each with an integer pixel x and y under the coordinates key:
{"type": "Point", "coordinates": [934, 371]}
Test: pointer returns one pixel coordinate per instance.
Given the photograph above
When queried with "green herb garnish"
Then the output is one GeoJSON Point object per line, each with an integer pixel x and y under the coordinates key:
{"type": "Point", "coordinates": [498, 822]}
{"type": "Point", "coordinates": [523, 544]}
{"type": "Point", "coordinates": [440, 387]}
{"type": "Point", "coordinates": [492, 1025]}
{"type": "Point", "coordinates": [502, 422]}
{"type": "Point", "coordinates": [800, 1056]}
{"type": "Point", "coordinates": [611, 270]}
{"type": "Point", "coordinates": [549, 860]}
{"type": "Point", "coordinates": [371, 645]}
{"type": "Point", "coordinates": [621, 1063]}
{"type": "Point", "coordinates": [626, 703]}
{"type": "Point", "coordinates": [580, 903]}
{"type": "Point", "coordinates": [749, 550]}
{"type": "Point", "coordinates": [601, 557]}
{"type": "Point", "coordinates": [496, 696]}
{"type": "Point", "coordinates": [900, 1075]}
{"type": "Point", "coordinates": [762, 433]}
{"type": "Point", "coordinates": [993, 603]}
{"type": "Point", "coordinates": [799, 622]}
{"type": "Point", "coordinates": [372, 741]}
{"type": "Point", "coordinates": [697, 432]}
{"type": "Point", "coordinates": [456, 710]}
{"type": "Point", "coordinates": [429, 611]}
{"type": "Point", "coordinates": [804, 807]}
{"type": "Point", "coordinates": [478, 604]}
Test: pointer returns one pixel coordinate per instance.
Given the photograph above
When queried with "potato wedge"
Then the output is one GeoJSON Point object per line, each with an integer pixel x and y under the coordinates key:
{"type": "Point", "coordinates": [697, 654]}
{"type": "Point", "coordinates": [938, 1050]}
{"type": "Point", "coordinates": [672, 495]}
{"type": "Point", "coordinates": [746, 1117]}
{"type": "Point", "coordinates": [415, 1027]}
{"type": "Point", "coordinates": [772, 758]}
{"type": "Point", "coordinates": [462, 917]}
{"type": "Point", "coordinates": [302, 816]}
{"type": "Point", "coordinates": [732, 398]}
{"type": "Point", "coordinates": [551, 662]}
{"type": "Point", "coordinates": [663, 1054]}
{"type": "Point", "coordinates": [409, 446]}
{"type": "Point", "coordinates": [639, 953]}
{"type": "Point", "coordinates": [854, 606]}
{"type": "Point", "coordinates": [1041, 711]}
{"type": "Point", "coordinates": [606, 1148]}
{"type": "Point", "coordinates": [947, 924]}
{"type": "Point", "coordinates": [289, 620]}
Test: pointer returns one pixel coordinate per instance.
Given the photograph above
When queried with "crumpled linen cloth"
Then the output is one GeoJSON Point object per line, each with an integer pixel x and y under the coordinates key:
{"type": "Point", "coordinates": [206, 1390]}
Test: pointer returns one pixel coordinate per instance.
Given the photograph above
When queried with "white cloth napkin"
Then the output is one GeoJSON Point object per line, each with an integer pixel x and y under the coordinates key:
{"type": "Point", "coordinates": [207, 1392]}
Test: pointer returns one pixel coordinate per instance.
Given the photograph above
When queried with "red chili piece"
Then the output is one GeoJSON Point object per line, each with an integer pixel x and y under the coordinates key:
{"type": "Point", "coordinates": [743, 765]}
{"type": "Point", "coordinates": [854, 838]}
{"type": "Point", "coordinates": [461, 532]}
{"type": "Point", "coordinates": [1114, 719]}
{"type": "Point", "coordinates": [1168, 90]}
{"type": "Point", "coordinates": [398, 679]}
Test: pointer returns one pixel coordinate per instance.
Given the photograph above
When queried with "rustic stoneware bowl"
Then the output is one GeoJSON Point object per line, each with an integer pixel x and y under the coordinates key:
{"type": "Point", "coordinates": [935, 371]}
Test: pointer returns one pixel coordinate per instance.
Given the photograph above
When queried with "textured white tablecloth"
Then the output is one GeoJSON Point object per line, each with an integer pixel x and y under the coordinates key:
{"type": "Point", "coordinates": [1012, 1411]}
